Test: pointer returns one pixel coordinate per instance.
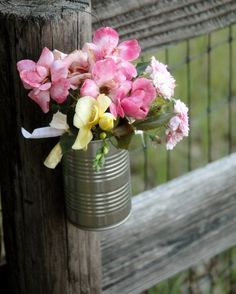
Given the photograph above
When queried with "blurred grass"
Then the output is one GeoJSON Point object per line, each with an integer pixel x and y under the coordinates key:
{"type": "Point", "coordinates": [203, 85]}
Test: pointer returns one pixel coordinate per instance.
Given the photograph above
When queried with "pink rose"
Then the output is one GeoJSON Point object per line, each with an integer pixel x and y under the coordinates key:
{"type": "Point", "coordinates": [136, 104]}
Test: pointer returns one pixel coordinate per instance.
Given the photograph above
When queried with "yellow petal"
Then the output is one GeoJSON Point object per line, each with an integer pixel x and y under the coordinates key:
{"type": "Point", "coordinates": [103, 102]}
{"type": "Point", "coordinates": [77, 122]}
{"type": "Point", "coordinates": [106, 122]}
{"type": "Point", "coordinates": [84, 110]}
{"type": "Point", "coordinates": [54, 157]}
{"type": "Point", "coordinates": [94, 116]}
{"type": "Point", "coordinates": [83, 138]}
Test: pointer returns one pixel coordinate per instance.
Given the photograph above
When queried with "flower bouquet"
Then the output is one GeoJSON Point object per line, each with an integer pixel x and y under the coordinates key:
{"type": "Point", "coordinates": [100, 98]}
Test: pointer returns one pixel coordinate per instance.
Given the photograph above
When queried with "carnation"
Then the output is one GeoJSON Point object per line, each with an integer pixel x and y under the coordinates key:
{"type": "Point", "coordinates": [162, 79]}
{"type": "Point", "coordinates": [178, 125]}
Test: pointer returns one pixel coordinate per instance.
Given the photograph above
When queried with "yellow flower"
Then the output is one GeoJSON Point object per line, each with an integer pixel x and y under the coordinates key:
{"type": "Point", "coordinates": [106, 122]}
{"type": "Point", "coordinates": [88, 113]}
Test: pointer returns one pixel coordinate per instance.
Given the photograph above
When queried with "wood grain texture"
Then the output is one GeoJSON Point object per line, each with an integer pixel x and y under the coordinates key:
{"type": "Point", "coordinates": [45, 254]}
{"type": "Point", "coordinates": [159, 23]}
{"type": "Point", "coordinates": [171, 228]}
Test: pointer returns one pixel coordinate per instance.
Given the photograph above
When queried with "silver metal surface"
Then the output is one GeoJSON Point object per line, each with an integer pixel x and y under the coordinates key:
{"type": "Point", "coordinates": [97, 200]}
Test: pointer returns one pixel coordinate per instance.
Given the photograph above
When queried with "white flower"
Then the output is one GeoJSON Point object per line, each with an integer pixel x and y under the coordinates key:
{"type": "Point", "coordinates": [161, 78]}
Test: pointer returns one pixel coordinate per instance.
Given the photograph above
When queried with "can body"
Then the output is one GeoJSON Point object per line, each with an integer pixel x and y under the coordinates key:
{"type": "Point", "coordinates": [97, 200]}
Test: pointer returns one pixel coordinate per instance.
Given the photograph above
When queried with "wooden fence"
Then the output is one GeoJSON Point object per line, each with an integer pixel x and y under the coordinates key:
{"type": "Point", "coordinates": [172, 227]}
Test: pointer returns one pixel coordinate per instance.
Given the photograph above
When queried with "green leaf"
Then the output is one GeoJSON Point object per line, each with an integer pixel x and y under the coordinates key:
{"type": "Point", "coordinates": [123, 134]}
{"type": "Point", "coordinates": [141, 66]}
{"type": "Point", "coordinates": [153, 122]}
{"type": "Point", "coordinates": [66, 142]}
{"type": "Point", "coordinates": [121, 142]}
{"type": "Point", "coordinates": [123, 130]}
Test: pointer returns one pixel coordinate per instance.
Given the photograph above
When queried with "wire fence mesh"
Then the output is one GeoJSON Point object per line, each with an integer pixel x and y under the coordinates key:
{"type": "Point", "coordinates": [205, 70]}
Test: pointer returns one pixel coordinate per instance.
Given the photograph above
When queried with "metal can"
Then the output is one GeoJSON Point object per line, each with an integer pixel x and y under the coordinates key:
{"type": "Point", "coordinates": [97, 200]}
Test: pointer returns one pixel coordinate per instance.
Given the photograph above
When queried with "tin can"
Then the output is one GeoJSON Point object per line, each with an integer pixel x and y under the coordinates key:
{"type": "Point", "coordinates": [97, 200]}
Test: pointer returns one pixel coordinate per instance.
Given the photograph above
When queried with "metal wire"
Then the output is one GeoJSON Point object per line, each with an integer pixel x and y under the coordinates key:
{"type": "Point", "coordinates": [189, 102]}
{"type": "Point", "coordinates": [230, 41]}
{"type": "Point", "coordinates": [168, 162]}
{"type": "Point", "coordinates": [209, 141]}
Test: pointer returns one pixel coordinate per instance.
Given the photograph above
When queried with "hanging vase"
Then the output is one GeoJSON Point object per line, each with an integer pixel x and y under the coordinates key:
{"type": "Point", "coordinates": [97, 200]}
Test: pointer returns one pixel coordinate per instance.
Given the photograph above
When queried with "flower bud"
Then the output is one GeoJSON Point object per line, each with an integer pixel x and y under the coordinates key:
{"type": "Point", "coordinates": [103, 136]}
{"type": "Point", "coordinates": [106, 122]}
{"type": "Point", "coordinates": [105, 150]}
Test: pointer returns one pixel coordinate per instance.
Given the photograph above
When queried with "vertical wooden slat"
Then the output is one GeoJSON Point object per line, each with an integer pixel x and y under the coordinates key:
{"type": "Point", "coordinates": [45, 254]}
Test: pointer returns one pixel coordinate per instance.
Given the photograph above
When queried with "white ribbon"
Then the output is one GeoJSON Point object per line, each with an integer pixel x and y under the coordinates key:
{"type": "Point", "coordinates": [47, 132]}
{"type": "Point", "coordinates": [58, 126]}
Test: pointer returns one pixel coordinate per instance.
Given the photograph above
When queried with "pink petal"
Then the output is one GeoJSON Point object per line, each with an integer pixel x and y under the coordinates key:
{"type": "Point", "coordinates": [76, 79]}
{"type": "Point", "coordinates": [127, 69]}
{"type": "Point", "coordinates": [106, 39]}
{"type": "Point", "coordinates": [58, 54]}
{"type": "Point", "coordinates": [93, 52]}
{"type": "Point", "coordinates": [26, 86]}
{"type": "Point", "coordinates": [129, 50]}
{"type": "Point", "coordinates": [147, 86]}
{"type": "Point", "coordinates": [45, 86]}
{"type": "Point", "coordinates": [116, 109]}
{"type": "Point", "coordinates": [60, 90]}
{"type": "Point", "coordinates": [30, 78]}
{"type": "Point", "coordinates": [58, 71]}
{"type": "Point", "coordinates": [138, 97]}
{"type": "Point", "coordinates": [76, 59]}
{"type": "Point", "coordinates": [42, 98]}
{"type": "Point", "coordinates": [104, 71]}
{"type": "Point", "coordinates": [26, 64]}
{"type": "Point", "coordinates": [89, 88]}
{"type": "Point", "coordinates": [112, 109]}
{"type": "Point", "coordinates": [117, 95]}
{"type": "Point", "coordinates": [121, 92]}
{"type": "Point", "coordinates": [132, 109]}
{"type": "Point", "coordinates": [42, 71]}
{"type": "Point", "coordinates": [46, 58]}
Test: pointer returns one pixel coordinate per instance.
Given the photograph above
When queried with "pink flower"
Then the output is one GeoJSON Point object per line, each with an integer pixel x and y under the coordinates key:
{"type": "Point", "coordinates": [178, 125]}
{"type": "Point", "coordinates": [60, 84]}
{"type": "Point", "coordinates": [137, 103]}
{"type": "Point", "coordinates": [117, 95]}
{"type": "Point", "coordinates": [79, 65]}
{"type": "Point", "coordinates": [105, 44]}
{"type": "Point", "coordinates": [103, 79]}
{"type": "Point", "coordinates": [47, 78]}
{"type": "Point", "coordinates": [162, 79]}
{"type": "Point", "coordinates": [32, 74]}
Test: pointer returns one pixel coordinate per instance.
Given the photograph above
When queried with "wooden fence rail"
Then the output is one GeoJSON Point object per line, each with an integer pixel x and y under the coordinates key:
{"type": "Point", "coordinates": [158, 23]}
{"type": "Point", "coordinates": [172, 227]}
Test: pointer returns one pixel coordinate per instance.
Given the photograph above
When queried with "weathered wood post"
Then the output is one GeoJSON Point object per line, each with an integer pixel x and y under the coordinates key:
{"type": "Point", "coordinates": [45, 254]}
